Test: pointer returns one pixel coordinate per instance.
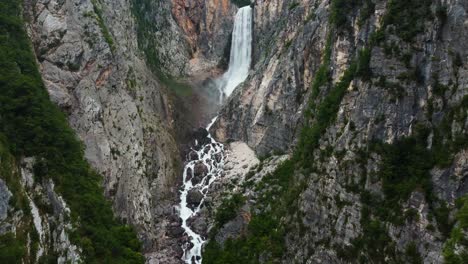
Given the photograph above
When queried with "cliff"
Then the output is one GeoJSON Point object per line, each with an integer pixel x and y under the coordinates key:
{"type": "Point", "coordinates": [113, 68]}
{"type": "Point", "coordinates": [370, 99]}
{"type": "Point", "coordinates": [346, 143]}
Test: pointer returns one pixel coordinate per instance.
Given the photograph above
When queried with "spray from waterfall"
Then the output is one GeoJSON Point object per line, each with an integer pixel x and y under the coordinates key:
{"type": "Point", "coordinates": [241, 53]}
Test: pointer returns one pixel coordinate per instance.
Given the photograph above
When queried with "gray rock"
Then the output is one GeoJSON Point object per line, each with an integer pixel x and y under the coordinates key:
{"type": "Point", "coordinates": [194, 198]}
{"type": "Point", "coordinates": [199, 171]}
{"type": "Point", "coordinates": [231, 229]}
{"type": "Point", "coordinates": [5, 196]}
{"type": "Point", "coordinates": [199, 225]}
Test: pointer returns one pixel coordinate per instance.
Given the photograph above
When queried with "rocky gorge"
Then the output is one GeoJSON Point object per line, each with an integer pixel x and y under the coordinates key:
{"type": "Point", "coordinates": [345, 143]}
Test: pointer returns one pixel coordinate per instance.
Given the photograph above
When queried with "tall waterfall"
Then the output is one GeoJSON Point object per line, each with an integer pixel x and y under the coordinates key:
{"type": "Point", "coordinates": [207, 160]}
{"type": "Point", "coordinates": [241, 52]}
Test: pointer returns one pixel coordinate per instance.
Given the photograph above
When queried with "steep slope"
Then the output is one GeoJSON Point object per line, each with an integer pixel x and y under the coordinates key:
{"type": "Point", "coordinates": [120, 112]}
{"type": "Point", "coordinates": [52, 203]}
{"type": "Point", "coordinates": [113, 67]}
{"type": "Point", "coordinates": [372, 95]}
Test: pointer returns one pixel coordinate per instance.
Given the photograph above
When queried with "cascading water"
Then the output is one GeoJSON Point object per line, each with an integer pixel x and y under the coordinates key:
{"type": "Point", "coordinates": [210, 154]}
{"type": "Point", "coordinates": [241, 53]}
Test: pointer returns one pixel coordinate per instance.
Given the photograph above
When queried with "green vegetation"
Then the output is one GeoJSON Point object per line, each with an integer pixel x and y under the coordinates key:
{"type": "Point", "coordinates": [265, 233]}
{"type": "Point", "coordinates": [228, 209]}
{"type": "Point", "coordinates": [367, 10]}
{"type": "Point", "coordinates": [404, 168]}
{"type": "Point", "coordinates": [146, 27]}
{"type": "Point", "coordinates": [13, 245]}
{"type": "Point", "coordinates": [325, 113]}
{"type": "Point", "coordinates": [280, 190]}
{"type": "Point", "coordinates": [148, 42]}
{"type": "Point", "coordinates": [293, 5]}
{"type": "Point", "coordinates": [102, 25]}
{"type": "Point", "coordinates": [457, 235]}
{"type": "Point", "coordinates": [363, 69]}
{"type": "Point", "coordinates": [447, 143]}
{"type": "Point", "coordinates": [407, 17]}
{"type": "Point", "coordinates": [33, 126]}
{"type": "Point", "coordinates": [241, 3]}
{"type": "Point", "coordinates": [180, 88]}
{"type": "Point", "coordinates": [11, 249]}
{"type": "Point", "coordinates": [322, 76]}
{"type": "Point", "coordinates": [340, 11]}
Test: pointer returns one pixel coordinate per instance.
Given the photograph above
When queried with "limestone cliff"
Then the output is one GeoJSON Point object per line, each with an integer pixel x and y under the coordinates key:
{"type": "Point", "coordinates": [207, 26]}
{"type": "Point", "coordinates": [357, 91]}
{"type": "Point", "coordinates": [122, 114]}
{"type": "Point", "coordinates": [110, 66]}
{"type": "Point", "coordinates": [347, 143]}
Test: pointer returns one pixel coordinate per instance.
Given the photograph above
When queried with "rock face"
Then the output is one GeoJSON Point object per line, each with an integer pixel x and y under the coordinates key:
{"type": "Point", "coordinates": [413, 80]}
{"type": "Point", "coordinates": [194, 198]}
{"type": "Point", "coordinates": [44, 218]}
{"type": "Point", "coordinates": [96, 60]}
{"type": "Point", "coordinates": [267, 110]}
{"type": "Point", "coordinates": [5, 196]}
{"type": "Point", "coordinates": [89, 61]}
{"type": "Point", "coordinates": [207, 25]}
{"type": "Point", "coordinates": [109, 72]}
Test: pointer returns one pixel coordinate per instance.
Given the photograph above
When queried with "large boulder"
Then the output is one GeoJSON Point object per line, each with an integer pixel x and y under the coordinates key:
{"type": "Point", "coordinates": [199, 225]}
{"type": "Point", "coordinates": [200, 170]}
{"type": "Point", "coordinates": [193, 155]}
{"type": "Point", "coordinates": [201, 135]}
{"type": "Point", "coordinates": [194, 198]}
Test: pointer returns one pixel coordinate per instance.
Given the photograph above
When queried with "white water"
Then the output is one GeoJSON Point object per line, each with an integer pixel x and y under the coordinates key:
{"type": "Point", "coordinates": [241, 53]}
{"type": "Point", "coordinates": [212, 154]}
{"type": "Point", "coordinates": [207, 156]}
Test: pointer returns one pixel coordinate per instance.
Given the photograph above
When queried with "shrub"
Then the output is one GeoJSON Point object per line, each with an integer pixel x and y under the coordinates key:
{"type": "Point", "coordinates": [228, 209]}
{"type": "Point", "coordinates": [408, 17]}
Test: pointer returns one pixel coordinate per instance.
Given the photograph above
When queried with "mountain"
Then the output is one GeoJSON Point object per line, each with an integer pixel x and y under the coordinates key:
{"type": "Point", "coordinates": [346, 142]}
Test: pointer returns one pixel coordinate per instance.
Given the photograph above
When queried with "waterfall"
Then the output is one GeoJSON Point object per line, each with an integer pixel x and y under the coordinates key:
{"type": "Point", "coordinates": [207, 153]}
{"type": "Point", "coordinates": [209, 156]}
{"type": "Point", "coordinates": [241, 53]}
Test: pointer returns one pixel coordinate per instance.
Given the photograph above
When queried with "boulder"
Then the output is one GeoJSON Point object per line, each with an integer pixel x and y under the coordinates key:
{"type": "Point", "coordinates": [194, 198]}
{"type": "Point", "coordinates": [175, 231]}
{"type": "Point", "coordinates": [193, 155]}
{"type": "Point", "coordinates": [199, 171]}
{"type": "Point", "coordinates": [189, 174]}
{"type": "Point", "coordinates": [201, 135]}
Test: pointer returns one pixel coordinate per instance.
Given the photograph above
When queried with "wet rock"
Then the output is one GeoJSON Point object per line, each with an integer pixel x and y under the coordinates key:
{"type": "Point", "coordinates": [174, 219]}
{"type": "Point", "coordinates": [175, 231]}
{"type": "Point", "coordinates": [193, 155]}
{"type": "Point", "coordinates": [199, 171]}
{"type": "Point", "coordinates": [194, 198]}
{"type": "Point", "coordinates": [189, 174]}
{"type": "Point", "coordinates": [199, 225]}
{"type": "Point", "coordinates": [178, 251]}
{"type": "Point", "coordinates": [207, 149]}
{"type": "Point", "coordinates": [201, 135]}
{"type": "Point", "coordinates": [218, 157]}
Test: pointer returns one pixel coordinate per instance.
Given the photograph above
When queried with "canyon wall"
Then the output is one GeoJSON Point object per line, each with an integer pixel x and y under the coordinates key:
{"type": "Point", "coordinates": [346, 143]}
{"type": "Point", "coordinates": [110, 66]}
{"type": "Point", "coordinates": [357, 91]}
